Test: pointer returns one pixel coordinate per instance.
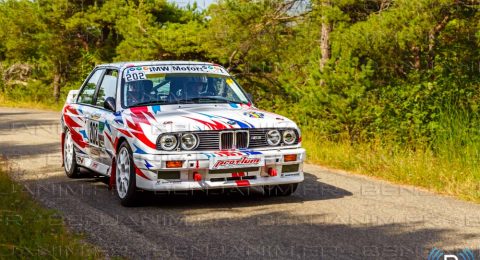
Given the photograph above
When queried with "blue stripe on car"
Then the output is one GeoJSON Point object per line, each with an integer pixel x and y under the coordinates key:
{"type": "Point", "coordinates": [138, 150]}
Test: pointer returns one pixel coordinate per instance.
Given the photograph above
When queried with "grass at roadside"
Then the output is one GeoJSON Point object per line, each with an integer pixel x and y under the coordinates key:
{"type": "Point", "coordinates": [20, 103]}
{"type": "Point", "coordinates": [452, 170]}
{"type": "Point", "coordinates": [29, 231]}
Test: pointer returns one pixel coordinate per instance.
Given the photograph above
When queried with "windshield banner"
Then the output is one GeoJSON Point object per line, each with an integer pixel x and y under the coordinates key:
{"type": "Point", "coordinates": [142, 72]}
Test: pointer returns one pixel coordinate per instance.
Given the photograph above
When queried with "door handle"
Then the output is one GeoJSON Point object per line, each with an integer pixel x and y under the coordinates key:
{"type": "Point", "coordinates": [93, 116]}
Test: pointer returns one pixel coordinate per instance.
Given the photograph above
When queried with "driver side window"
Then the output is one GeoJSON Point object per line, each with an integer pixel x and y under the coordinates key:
{"type": "Point", "coordinates": [108, 87]}
{"type": "Point", "coordinates": [88, 91]}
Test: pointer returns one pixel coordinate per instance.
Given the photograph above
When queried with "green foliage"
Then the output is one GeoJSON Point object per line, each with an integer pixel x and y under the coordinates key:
{"type": "Point", "coordinates": [394, 67]}
{"type": "Point", "coordinates": [393, 70]}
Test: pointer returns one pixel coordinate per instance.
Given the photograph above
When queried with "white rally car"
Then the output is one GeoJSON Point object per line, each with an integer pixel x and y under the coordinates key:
{"type": "Point", "coordinates": [171, 126]}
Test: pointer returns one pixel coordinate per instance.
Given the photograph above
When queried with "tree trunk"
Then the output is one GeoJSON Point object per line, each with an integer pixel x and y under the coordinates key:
{"type": "Point", "coordinates": [432, 40]}
{"type": "Point", "coordinates": [325, 38]}
{"type": "Point", "coordinates": [416, 57]}
{"type": "Point", "coordinates": [56, 86]}
{"type": "Point", "coordinates": [325, 44]}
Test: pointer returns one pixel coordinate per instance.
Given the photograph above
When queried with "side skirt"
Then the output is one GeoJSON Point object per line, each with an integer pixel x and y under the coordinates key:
{"type": "Point", "coordinates": [84, 161]}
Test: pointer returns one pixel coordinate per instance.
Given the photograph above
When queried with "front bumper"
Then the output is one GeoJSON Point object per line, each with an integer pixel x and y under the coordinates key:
{"type": "Point", "coordinates": [153, 175]}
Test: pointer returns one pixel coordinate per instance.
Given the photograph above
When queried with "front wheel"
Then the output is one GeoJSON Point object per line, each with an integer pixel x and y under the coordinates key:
{"type": "Point", "coordinates": [69, 158]}
{"type": "Point", "coordinates": [280, 190]}
{"type": "Point", "coordinates": [125, 176]}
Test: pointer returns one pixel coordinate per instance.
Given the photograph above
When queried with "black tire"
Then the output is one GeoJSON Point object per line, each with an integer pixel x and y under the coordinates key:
{"type": "Point", "coordinates": [131, 197]}
{"type": "Point", "coordinates": [74, 170]}
{"type": "Point", "coordinates": [280, 190]}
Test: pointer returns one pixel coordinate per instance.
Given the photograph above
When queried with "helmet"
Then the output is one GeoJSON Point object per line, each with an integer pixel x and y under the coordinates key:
{"type": "Point", "coordinates": [139, 90]}
{"type": "Point", "coordinates": [183, 86]}
{"type": "Point", "coordinates": [142, 86]}
{"type": "Point", "coordinates": [199, 79]}
{"type": "Point", "coordinates": [196, 84]}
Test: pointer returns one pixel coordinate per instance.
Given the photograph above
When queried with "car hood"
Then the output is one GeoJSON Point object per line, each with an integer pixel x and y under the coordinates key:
{"type": "Point", "coordinates": [203, 117]}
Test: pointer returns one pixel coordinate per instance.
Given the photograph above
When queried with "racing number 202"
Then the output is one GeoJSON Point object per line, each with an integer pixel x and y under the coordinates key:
{"type": "Point", "coordinates": [93, 133]}
{"type": "Point", "coordinates": [135, 76]}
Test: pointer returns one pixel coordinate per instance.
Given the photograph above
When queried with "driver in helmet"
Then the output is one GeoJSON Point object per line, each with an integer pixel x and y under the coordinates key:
{"type": "Point", "coordinates": [185, 88]}
{"type": "Point", "coordinates": [195, 86]}
{"type": "Point", "coordinates": [139, 91]}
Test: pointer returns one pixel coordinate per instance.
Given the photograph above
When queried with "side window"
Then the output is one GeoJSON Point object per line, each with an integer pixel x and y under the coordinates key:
{"type": "Point", "coordinates": [88, 92]}
{"type": "Point", "coordinates": [108, 87]}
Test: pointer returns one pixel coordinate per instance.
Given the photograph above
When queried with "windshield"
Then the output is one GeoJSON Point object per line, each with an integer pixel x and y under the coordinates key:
{"type": "Point", "coordinates": [191, 88]}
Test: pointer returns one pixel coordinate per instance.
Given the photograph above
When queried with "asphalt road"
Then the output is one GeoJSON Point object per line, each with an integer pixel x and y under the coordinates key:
{"type": "Point", "coordinates": [333, 215]}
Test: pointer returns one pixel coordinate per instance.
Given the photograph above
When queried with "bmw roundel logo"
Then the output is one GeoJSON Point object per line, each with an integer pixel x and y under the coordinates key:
{"type": "Point", "coordinates": [231, 122]}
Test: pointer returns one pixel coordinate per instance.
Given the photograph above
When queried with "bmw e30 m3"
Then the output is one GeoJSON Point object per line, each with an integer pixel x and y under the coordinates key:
{"type": "Point", "coordinates": [175, 126]}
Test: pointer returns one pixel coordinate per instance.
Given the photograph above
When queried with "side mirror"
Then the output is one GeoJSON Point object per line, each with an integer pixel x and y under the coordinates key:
{"type": "Point", "coordinates": [109, 104]}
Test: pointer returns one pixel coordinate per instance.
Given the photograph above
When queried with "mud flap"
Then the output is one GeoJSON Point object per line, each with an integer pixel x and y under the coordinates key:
{"type": "Point", "coordinates": [63, 147]}
{"type": "Point", "coordinates": [113, 171]}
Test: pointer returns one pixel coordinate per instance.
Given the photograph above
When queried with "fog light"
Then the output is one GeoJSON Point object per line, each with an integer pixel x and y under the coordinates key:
{"type": "Point", "coordinates": [197, 176]}
{"type": "Point", "coordinates": [272, 172]}
{"type": "Point", "coordinates": [174, 164]}
{"type": "Point", "coordinates": [289, 157]}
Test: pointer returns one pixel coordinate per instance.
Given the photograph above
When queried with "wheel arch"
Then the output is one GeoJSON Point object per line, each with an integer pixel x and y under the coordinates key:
{"type": "Point", "coordinates": [121, 140]}
{"type": "Point", "coordinates": [113, 171]}
{"type": "Point", "coordinates": [62, 141]}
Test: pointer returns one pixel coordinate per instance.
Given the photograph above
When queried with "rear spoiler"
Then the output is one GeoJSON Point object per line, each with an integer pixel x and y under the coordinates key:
{"type": "Point", "coordinates": [72, 95]}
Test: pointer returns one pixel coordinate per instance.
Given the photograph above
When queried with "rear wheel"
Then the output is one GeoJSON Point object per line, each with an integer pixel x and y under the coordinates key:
{"type": "Point", "coordinates": [69, 157]}
{"type": "Point", "coordinates": [280, 190]}
{"type": "Point", "coordinates": [125, 176]}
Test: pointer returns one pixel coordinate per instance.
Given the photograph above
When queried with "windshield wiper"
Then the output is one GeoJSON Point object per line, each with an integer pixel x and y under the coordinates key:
{"type": "Point", "coordinates": [208, 98]}
{"type": "Point", "coordinates": [182, 101]}
{"type": "Point", "coordinates": [156, 102]}
{"type": "Point", "coordinates": [224, 100]}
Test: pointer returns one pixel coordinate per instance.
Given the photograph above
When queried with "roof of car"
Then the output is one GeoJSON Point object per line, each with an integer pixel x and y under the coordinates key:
{"type": "Point", "coordinates": [149, 63]}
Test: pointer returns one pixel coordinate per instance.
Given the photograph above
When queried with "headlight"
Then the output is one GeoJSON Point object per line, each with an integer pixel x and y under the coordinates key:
{"type": "Point", "coordinates": [189, 141]}
{"type": "Point", "coordinates": [168, 142]}
{"type": "Point", "coordinates": [273, 137]}
{"type": "Point", "coordinates": [289, 137]}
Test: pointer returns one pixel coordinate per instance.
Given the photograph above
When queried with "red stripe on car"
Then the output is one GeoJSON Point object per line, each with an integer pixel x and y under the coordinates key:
{"type": "Point", "coordinates": [213, 126]}
{"type": "Point", "coordinates": [125, 132]}
{"type": "Point", "coordinates": [77, 138]}
{"type": "Point", "coordinates": [140, 173]}
{"type": "Point", "coordinates": [70, 122]}
{"type": "Point", "coordinates": [242, 183]}
{"type": "Point", "coordinates": [138, 132]}
{"type": "Point", "coordinates": [238, 174]}
{"type": "Point", "coordinates": [72, 110]}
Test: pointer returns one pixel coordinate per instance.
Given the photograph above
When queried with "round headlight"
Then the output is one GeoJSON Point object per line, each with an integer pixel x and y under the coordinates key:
{"type": "Point", "coordinates": [189, 141]}
{"type": "Point", "coordinates": [273, 137]}
{"type": "Point", "coordinates": [168, 142]}
{"type": "Point", "coordinates": [289, 137]}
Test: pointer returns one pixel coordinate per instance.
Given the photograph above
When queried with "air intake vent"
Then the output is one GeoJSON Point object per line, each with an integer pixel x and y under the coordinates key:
{"type": "Point", "coordinates": [241, 140]}
{"type": "Point", "coordinates": [226, 140]}
{"type": "Point", "coordinates": [234, 140]}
